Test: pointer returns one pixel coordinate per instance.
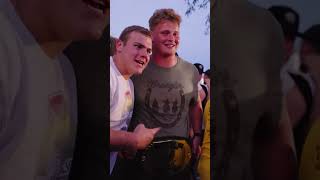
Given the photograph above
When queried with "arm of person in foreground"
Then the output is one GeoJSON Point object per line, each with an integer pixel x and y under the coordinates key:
{"type": "Point", "coordinates": [274, 152]}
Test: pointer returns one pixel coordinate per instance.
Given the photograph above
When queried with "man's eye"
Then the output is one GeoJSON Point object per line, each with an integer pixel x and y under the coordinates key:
{"type": "Point", "coordinates": [165, 32]}
{"type": "Point", "coordinates": [138, 46]}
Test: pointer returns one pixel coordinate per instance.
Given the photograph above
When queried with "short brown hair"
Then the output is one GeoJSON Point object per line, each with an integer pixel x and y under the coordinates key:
{"type": "Point", "coordinates": [112, 45]}
{"type": "Point", "coordinates": [164, 14]}
{"type": "Point", "coordinates": [125, 33]}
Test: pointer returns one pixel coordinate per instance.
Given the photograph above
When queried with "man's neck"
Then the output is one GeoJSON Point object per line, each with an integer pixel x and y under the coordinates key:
{"type": "Point", "coordinates": [28, 14]}
{"type": "Point", "coordinates": [164, 61]}
{"type": "Point", "coordinates": [120, 65]}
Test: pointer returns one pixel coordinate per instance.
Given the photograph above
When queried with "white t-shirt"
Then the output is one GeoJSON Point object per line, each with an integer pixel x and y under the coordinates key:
{"type": "Point", "coordinates": [121, 103]}
{"type": "Point", "coordinates": [293, 66]}
{"type": "Point", "coordinates": [37, 105]}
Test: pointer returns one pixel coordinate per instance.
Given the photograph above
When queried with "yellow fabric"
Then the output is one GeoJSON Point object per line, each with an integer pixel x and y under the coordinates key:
{"type": "Point", "coordinates": [182, 156]}
{"type": "Point", "coordinates": [310, 157]}
{"type": "Point", "coordinates": [204, 162]}
{"type": "Point", "coordinates": [204, 168]}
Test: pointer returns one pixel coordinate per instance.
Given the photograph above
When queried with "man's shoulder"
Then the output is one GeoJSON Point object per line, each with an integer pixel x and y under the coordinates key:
{"type": "Point", "coordinates": [186, 64]}
{"type": "Point", "coordinates": [182, 60]}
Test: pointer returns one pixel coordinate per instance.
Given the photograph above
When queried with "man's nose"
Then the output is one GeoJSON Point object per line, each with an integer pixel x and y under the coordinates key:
{"type": "Point", "coordinates": [144, 53]}
{"type": "Point", "coordinates": [170, 37]}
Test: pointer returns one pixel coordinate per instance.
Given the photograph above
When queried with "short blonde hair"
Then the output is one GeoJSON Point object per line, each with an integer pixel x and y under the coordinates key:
{"type": "Point", "coordinates": [164, 14]}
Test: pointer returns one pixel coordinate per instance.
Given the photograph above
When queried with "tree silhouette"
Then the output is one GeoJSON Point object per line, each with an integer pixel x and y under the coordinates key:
{"type": "Point", "coordinates": [194, 5]}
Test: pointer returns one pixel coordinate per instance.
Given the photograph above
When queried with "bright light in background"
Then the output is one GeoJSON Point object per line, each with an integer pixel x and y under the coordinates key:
{"type": "Point", "coordinates": [194, 43]}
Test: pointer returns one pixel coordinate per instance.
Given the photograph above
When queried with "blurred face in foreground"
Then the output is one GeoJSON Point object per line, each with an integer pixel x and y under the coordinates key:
{"type": "Point", "coordinates": [64, 20]}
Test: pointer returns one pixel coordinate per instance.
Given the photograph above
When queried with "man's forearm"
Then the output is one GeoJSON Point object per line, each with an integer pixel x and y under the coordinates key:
{"type": "Point", "coordinates": [120, 140]}
{"type": "Point", "coordinates": [196, 118]}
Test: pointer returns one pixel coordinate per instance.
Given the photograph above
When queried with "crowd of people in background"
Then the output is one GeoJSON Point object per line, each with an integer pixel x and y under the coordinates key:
{"type": "Point", "coordinates": [300, 82]}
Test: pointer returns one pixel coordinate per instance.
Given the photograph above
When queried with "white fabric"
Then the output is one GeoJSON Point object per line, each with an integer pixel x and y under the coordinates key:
{"type": "Point", "coordinates": [37, 106]}
{"type": "Point", "coordinates": [199, 86]}
{"type": "Point", "coordinates": [121, 103]}
{"type": "Point", "coordinates": [293, 66]}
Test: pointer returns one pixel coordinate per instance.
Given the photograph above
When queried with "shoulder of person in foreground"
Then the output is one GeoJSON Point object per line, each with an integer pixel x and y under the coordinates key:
{"type": "Point", "coordinates": [275, 123]}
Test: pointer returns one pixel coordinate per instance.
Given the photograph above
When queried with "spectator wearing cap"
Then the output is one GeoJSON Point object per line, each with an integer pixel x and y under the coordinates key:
{"type": "Point", "coordinates": [297, 86]}
{"type": "Point", "coordinates": [310, 52]}
{"type": "Point", "coordinates": [310, 43]}
{"type": "Point", "coordinates": [289, 20]}
{"type": "Point", "coordinates": [206, 79]}
{"type": "Point", "coordinates": [202, 88]}
{"type": "Point", "coordinates": [308, 146]}
{"type": "Point", "coordinates": [199, 68]}
{"type": "Point", "coordinates": [301, 98]}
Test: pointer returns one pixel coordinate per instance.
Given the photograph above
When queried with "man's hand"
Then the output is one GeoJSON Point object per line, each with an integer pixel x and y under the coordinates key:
{"type": "Point", "coordinates": [144, 136]}
{"type": "Point", "coordinates": [140, 138]}
{"type": "Point", "coordinates": [196, 149]}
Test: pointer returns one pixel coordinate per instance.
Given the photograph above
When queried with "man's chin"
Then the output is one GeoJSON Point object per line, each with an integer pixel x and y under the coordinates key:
{"type": "Point", "coordinates": [139, 72]}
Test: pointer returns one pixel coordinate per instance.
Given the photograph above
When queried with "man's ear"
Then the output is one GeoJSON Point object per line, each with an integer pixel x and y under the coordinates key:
{"type": "Point", "coordinates": [119, 45]}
